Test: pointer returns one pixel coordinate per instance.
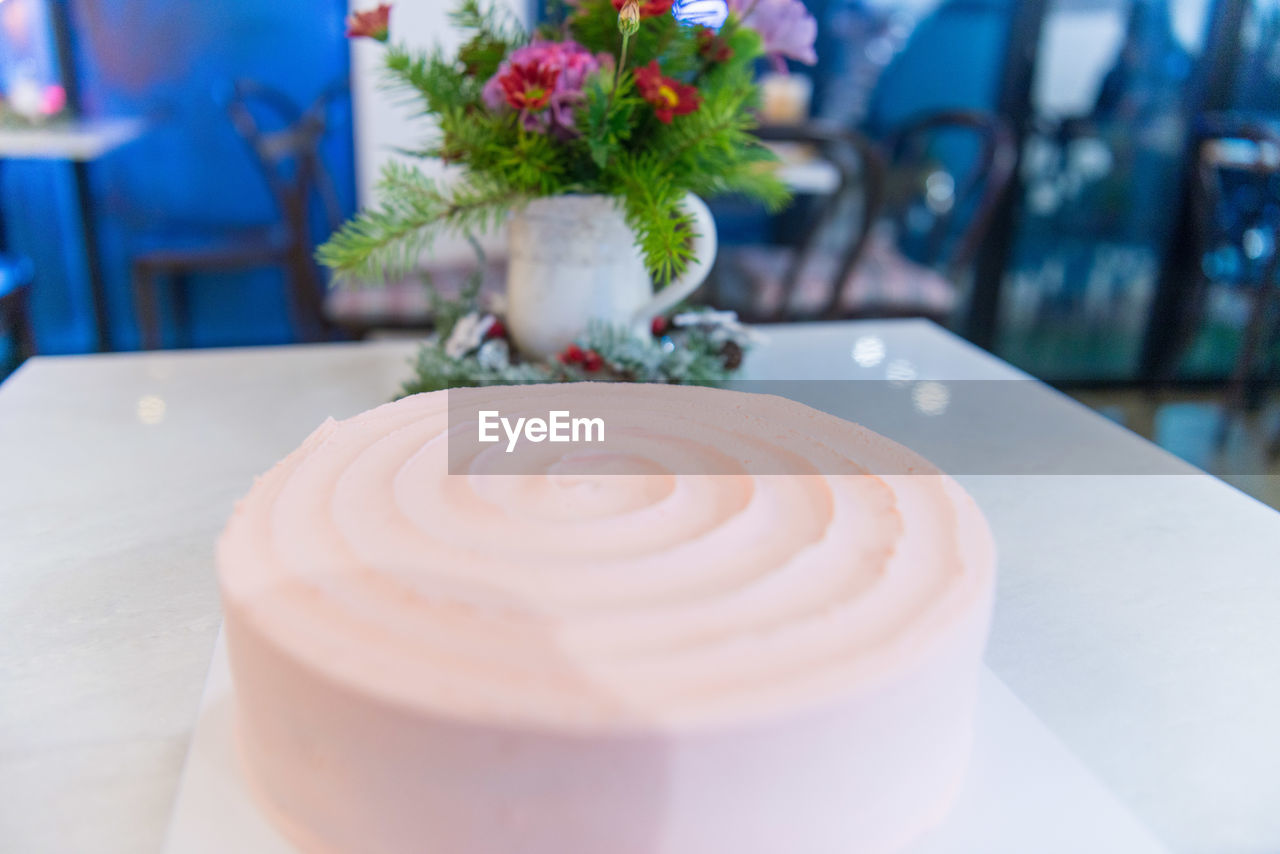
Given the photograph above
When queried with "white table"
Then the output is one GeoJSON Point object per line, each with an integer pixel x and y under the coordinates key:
{"type": "Point", "coordinates": [77, 140]}
{"type": "Point", "coordinates": [1139, 616]}
{"type": "Point", "coordinates": [804, 170]}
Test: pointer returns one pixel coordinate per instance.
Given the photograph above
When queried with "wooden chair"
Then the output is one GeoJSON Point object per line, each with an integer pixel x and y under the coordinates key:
{"type": "Point", "coordinates": [957, 204]}
{"type": "Point", "coordinates": [933, 210]}
{"type": "Point", "coordinates": [15, 285]}
{"type": "Point", "coordinates": [1252, 152]}
{"type": "Point", "coordinates": [293, 170]}
{"type": "Point", "coordinates": [778, 283]}
{"type": "Point", "coordinates": [939, 204]}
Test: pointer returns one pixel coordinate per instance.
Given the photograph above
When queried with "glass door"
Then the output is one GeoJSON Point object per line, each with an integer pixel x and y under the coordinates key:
{"type": "Point", "coordinates": [1241, 225]}
{"type": "Point", "coordinates": [1101, 175]}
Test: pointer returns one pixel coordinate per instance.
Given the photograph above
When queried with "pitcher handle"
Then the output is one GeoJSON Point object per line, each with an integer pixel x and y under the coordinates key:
{"type": "Point", "coordinates": [704, 256]}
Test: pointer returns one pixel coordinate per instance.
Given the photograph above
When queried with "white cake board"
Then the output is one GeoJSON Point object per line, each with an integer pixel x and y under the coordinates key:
{"type": "Point", "coordinates": [1025, 791]}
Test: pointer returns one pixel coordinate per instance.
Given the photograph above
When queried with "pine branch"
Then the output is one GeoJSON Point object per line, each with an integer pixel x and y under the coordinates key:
{"type": "Point", "coordinates": [387, 240]}
{"type": "Point", "coordinates": [440, 82]}
{"type": "Point", "coordinates": [498, 23]}
{"type": "Point", "coordinates": [495, 32]}
{"type": "Point", "coordinates": [435, 370]}
{"type": "Point", "coordinates": [651, 203]}
{"type": "Point", "coordinates": [754, 180]}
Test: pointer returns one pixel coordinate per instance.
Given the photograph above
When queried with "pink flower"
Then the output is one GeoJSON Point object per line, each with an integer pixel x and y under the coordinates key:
{"type": "Point", "coordinates": [785, 26]}
{"type": "Point", "coordinates": [559, 67]}
{"type": "Point", "coordinates": [54, 100]}
{"type": "Point", "coordinates": [372, 23]}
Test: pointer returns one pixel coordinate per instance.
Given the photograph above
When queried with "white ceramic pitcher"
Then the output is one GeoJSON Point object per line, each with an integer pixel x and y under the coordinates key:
{"type": "Point", "coordinates": [574, 260]}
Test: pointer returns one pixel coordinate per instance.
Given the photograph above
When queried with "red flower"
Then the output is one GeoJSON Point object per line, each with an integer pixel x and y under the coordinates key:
{"type": "Point", "coordinates": [372, 24]}
{"type": "Point", "coordinates": [648, 8]}
{"type": "Point", "coordinates": [592, 361]}
{"type": "Point", "coordinates": [529, 85]}
{"type": "Point", "coordinates": [669, 97]}
{"type": "Point", "coordinates": [712, 47]}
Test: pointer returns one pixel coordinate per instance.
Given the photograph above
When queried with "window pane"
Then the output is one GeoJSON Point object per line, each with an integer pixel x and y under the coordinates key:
{"type": "Point", "coordinates": [1101, 172]}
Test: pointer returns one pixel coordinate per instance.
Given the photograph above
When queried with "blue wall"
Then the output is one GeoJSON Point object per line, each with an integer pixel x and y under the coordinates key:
{"type": "Point", "coordinates": [951, 61]}
{"type": "Point", "coordinates": [167, 61]}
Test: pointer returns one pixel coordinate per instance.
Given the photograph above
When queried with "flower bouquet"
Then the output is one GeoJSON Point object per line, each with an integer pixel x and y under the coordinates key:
{"type": "Point", "coordinates": [595, 135]}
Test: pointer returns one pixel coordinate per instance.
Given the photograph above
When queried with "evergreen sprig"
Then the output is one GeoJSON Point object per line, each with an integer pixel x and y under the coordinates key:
{"type": "Point", "coordinates": [697, 359]}
{"type": "Point", "coordinates": [493, 33]}
{"type": "Point", "coordinates": [388, 239]}
{"type": "Point", "coordinates": [433, 369]}
{"type": "Point", "coordinates": [651, 200]}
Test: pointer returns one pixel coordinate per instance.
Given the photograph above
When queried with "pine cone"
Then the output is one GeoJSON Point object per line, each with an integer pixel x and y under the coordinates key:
{"type": "Point", "coordinates": [731, 352]}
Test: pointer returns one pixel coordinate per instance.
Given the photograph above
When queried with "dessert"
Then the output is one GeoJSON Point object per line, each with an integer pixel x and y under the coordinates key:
{"type": "Point", "coordinates": [621, 651]}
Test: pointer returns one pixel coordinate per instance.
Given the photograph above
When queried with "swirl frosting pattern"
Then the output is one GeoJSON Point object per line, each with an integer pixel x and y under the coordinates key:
{"type": "Point", "coordinates": [601, 599]}
{"type": "Point", "coordinates": [728, 559]}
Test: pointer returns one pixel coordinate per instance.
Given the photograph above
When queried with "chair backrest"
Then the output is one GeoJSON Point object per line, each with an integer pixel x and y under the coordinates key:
{"type": "Point", "coordinates": [860, 167]}
{"type": "Point", "coordinates": [947, 173]}
{"type": "Point", "coordinates": [15, 272]}
{"type": "Point", "coordinates": [15, 280]}
{"type": "Point", "coordinates": [285, 141]}
{"type": "Point", "coordinates": [1236, 200]}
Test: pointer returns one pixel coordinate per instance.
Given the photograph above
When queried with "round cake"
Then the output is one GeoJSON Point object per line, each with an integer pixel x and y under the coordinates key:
{"type": "Point", "coordinates": [739, 625]}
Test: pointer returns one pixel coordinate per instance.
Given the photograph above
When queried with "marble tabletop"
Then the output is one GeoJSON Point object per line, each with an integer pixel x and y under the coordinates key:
{"type": "Point", "coordinates": [70, 140]}
{"type": "Point", "coordinates": [1137, 611]}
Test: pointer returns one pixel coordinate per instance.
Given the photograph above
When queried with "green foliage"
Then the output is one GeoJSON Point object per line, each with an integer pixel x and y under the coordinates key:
{"type": "Point", "coordinates": [387, 240]}
{"type": "Point", "coordinates": [618, 147]}
{"type": "Point", "coordinates": [696, 355]}
{"type": "Point", "coordinates": [595, 26]}
{"type": "Point", "coordinates": [608, 118]}
{"type": "Point", "coordinates": [651, 201]}
{"type": "Point", "coordinates": [697, 360]}
{"type": "Point", "coordinates": [493, 36]}
{"type": "Point", "coordinates": [433, 369]}
{"type": "Point", "coordinates": [442, 84]}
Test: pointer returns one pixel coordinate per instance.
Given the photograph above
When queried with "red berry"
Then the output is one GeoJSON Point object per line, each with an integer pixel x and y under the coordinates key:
{"type": "Point", "coordinates": [592, 361]}
{"type": "Point", "coordinates": [496, 330]}
{"type": "Point", "coordinates": [658, 326]}
{"type": "Point", "coordinates": [572, 355]}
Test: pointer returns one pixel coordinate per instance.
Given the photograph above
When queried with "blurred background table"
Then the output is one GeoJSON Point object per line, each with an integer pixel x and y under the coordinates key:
{"type": "Point", "coordinates": [1135, 615]}
{"type": "Point", "coordinates": [74, 140]}
{"type": "Point", "coordinates": [78, 142]}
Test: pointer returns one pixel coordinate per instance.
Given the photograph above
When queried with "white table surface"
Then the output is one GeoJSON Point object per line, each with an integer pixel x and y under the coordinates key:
{"type": "Point", "coordinates": [68, 140]}
{"type": "Point", "coordinates": [817, 177]}
{"type": "Point", "coordinates": [1137, 615]}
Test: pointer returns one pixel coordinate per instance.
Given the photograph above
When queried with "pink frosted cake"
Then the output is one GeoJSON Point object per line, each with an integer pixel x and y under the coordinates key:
{"type": "Point", "coordinates": [571, 662]}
